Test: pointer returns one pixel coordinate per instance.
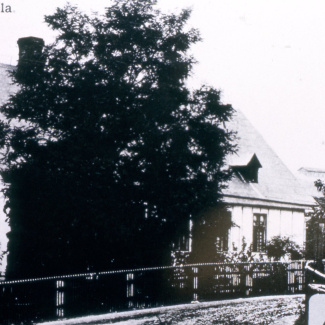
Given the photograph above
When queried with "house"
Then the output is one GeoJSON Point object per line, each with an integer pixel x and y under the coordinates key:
{"type": "Point", "coordinates": [264, 198]}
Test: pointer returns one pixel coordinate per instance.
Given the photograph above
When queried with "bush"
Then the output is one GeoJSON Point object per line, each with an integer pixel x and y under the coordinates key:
{"type": "Point", "coordinates": [245, 254]}
{"type": "Point", "coordinates": [281, 247]}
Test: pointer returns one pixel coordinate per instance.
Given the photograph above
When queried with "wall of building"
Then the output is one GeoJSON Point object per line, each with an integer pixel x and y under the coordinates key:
{"type": "Point", "coordinates": [7, 88]}
{"type": "Point", "coordinates": [279, 222]}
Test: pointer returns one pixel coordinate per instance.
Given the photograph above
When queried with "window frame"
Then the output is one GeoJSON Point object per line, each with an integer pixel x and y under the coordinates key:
{"type": "Point", "coordinates": [259, 232]}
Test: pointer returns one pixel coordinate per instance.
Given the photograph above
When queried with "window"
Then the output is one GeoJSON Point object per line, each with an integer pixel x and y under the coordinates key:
{"type": "Point", "coordinates": [248, 173]}
{"type": "Point", "coordinates": [222, 243]}
{"type": "Point", "coordinates": [222, 230]}
{"type": "Point", "coordinates": [247, 170]}
{"type": "Point", "coordinates": [259, 232]}
{"type": "Point", "coordinates": [183, 243]}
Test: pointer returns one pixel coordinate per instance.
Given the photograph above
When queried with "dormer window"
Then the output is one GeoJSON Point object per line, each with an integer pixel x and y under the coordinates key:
{"type": "Point", "coordinates": [247, 169]}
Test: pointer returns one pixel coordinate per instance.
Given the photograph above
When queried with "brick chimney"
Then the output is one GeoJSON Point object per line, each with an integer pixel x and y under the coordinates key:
{"type": "Point", "coordinates": [31, 60]}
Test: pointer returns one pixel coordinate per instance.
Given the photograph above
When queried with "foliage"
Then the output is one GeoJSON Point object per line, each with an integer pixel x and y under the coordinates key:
{"type": "Point", "coordinates": [212, 223]}
{"type": "Point", "coordinates": [108, 152]}
{"type": "Point", "coordinates": [245, 254]}
{"type": "Point", "coordinates": [279, 247]}
{"type": "Point", "coordinates": [276, 249]}
{"type": "Point", "coordinates": [315, 234]}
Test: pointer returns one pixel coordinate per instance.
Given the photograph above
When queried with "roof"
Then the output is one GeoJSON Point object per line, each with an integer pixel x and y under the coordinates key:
{"type": "Point", "coordinates": [6, 86]}
{"type": "Point", "coordinates": [312, 170]}
{"type": "Point", "coordinates": [275, 184]}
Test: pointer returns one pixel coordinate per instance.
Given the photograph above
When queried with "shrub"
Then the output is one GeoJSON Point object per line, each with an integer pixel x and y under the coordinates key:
{"type": "Point", "coordinates": [281, 247]}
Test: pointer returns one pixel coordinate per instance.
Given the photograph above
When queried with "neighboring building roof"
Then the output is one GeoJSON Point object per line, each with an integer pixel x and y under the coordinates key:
{"type": "Point", "coordinates": [7, 87]}
{"type": "Point", "coordinates": [320, 173]}
{"type": "Point", "coordinates": [276, 185]}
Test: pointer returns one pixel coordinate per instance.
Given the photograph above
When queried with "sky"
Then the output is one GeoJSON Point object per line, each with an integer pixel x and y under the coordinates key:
{"type": "Point", "coordinates": [267, 58]}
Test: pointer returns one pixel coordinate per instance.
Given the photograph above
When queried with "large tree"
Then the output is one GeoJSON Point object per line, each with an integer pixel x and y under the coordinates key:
{"type": "Point", "coordinates": [108, 151]}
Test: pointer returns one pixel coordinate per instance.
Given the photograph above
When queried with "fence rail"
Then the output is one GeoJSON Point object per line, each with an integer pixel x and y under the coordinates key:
{"type": "Point", "coordinates": [25, 301]}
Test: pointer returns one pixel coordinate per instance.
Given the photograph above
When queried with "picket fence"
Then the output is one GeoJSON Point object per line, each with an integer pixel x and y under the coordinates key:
{"type": "Point", "coordinates": [34, 300]}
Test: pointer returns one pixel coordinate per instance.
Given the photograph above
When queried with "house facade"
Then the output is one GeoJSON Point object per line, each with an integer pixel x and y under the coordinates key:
{"type": "Point", "coordinates": [263, 197]}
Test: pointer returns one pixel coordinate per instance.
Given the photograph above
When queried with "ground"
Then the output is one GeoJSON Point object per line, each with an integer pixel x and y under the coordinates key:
{"type": "Point", "coordinates": [275, 310]}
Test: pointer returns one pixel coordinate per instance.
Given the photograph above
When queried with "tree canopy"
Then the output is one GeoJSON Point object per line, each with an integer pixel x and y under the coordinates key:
{"type": "Point", "coordinates": [108, 152]}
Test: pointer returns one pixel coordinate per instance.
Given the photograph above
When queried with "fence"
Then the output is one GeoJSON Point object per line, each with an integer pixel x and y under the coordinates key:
{"type": "Point", "coordinates": [25, 301]}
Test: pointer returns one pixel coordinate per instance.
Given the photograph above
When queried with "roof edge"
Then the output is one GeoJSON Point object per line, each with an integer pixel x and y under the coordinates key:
{"type": "Point", "coordinates": [270, 200]}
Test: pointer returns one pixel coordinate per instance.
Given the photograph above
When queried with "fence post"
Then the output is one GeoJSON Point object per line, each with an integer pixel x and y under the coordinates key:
{"type": "Point", "coordinates": [248, 279]}
{"type": "Point", "coordinates": [195, 283]}
{"type": "Point", "coordinates": [59, 298]}
{"type": "Point", "coordinates": [130, 289]}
